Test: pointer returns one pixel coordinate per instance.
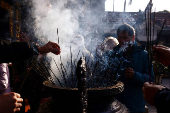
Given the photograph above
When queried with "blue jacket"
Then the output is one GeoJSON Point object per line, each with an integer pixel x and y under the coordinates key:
{"type": "Point", "coordinates": [132, 95]}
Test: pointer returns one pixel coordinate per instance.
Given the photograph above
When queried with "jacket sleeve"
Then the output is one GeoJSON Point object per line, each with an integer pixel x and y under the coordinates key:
{"type": "Point", "coordinates": [147, 74]}
{"type": "Point", "coordinates": [15, 51]}
{"type": "Point", "coordinates": [162, 101]}
{"type": "Point", "coordinates": [3, 78]}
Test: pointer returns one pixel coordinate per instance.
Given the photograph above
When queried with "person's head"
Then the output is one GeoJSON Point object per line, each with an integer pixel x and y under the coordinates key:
{"type": "Point", "coordinates": [110, 43]}
{"type": "Point", "coordinates": [77, 42]}
{"type": "Point", "coordinates": [126, 33]}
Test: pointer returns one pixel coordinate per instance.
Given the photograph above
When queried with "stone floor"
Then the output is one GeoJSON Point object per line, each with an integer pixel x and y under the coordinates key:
{"type": "Point", "coordinates": [165, 82]}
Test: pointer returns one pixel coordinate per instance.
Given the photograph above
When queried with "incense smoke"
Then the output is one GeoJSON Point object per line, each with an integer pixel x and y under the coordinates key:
{"type": "Point", "coordinates": [72, 18]}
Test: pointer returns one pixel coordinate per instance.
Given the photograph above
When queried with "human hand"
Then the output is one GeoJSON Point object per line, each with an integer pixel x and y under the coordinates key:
{"type": "Point", "coordinates": [129, 72]}
{"type": "Point", "coordinates": [162, 54]}
{"type": "Point", "coordinates": [149, 90]}
{"type": "Point", "coordinates": [10, 102]}
{"type": "Point", "coordinates": [50, 47]}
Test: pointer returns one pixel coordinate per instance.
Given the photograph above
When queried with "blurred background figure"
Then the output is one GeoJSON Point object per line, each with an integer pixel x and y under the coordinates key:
{"type": "Point", "coordinates": [79, 50]}
{"type": "Point", "coordinates": [109, 44]}
{"type": "Point", "coordinates": [79, 46]}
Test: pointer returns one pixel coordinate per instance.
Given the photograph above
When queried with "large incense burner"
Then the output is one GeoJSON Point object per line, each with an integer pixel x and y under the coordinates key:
{"type": "Point", "coordinates": [83, 99]}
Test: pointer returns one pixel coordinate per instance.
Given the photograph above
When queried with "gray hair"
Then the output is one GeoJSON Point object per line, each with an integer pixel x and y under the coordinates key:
{"type": "Point", "coordinates": [126, 28]}
{"type": "Point", "coordinates": [111, 38]}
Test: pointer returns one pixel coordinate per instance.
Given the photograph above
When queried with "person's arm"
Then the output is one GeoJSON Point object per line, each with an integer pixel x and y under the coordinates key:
{"type": "Point", "coordinates": [162, 100]}
{"type": "Point", "coordinates": [50, 47]}
{"type": "Point", "coordinates": [18, 51]}
{"type": "Point", "coordinates": [146, 76]}
{"type": "Point", "coordinates": [140, 78]}
{"type": "Point", "coordinates": [158, 96]}
{"type": "Point", "coordinates": [15, 51]}
{"type": "Point", "coordinates": [10, 102]}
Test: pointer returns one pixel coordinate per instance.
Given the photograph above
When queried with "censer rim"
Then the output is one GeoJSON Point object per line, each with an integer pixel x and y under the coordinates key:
{"type": "Point", "coordinates": [117, 85]}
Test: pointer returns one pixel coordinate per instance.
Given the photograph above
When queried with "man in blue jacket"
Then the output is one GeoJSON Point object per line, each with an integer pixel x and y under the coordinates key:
{"type": "Point", "coordinates": [134, 72]}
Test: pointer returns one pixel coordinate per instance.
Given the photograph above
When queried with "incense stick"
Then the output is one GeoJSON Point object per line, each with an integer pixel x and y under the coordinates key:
{"type": "Point", "coordinates": [28, 73]}
{"type": "Point", "coordinates": [58, 36]}
{"type": "Point", "coordinates": [161, 31]}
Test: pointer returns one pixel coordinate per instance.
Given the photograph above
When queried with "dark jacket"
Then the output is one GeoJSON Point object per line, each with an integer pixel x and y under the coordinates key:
{"type": "Point", "coordinates": [162, 101]}
{"type": "Point", "coordinates": [15, 51]}
{"type": "Point", "coordinates": [132, 95]}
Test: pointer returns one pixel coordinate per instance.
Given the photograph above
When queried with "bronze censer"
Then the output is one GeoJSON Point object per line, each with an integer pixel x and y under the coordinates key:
{"type": "Point", "coordinates": [83, 99]}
